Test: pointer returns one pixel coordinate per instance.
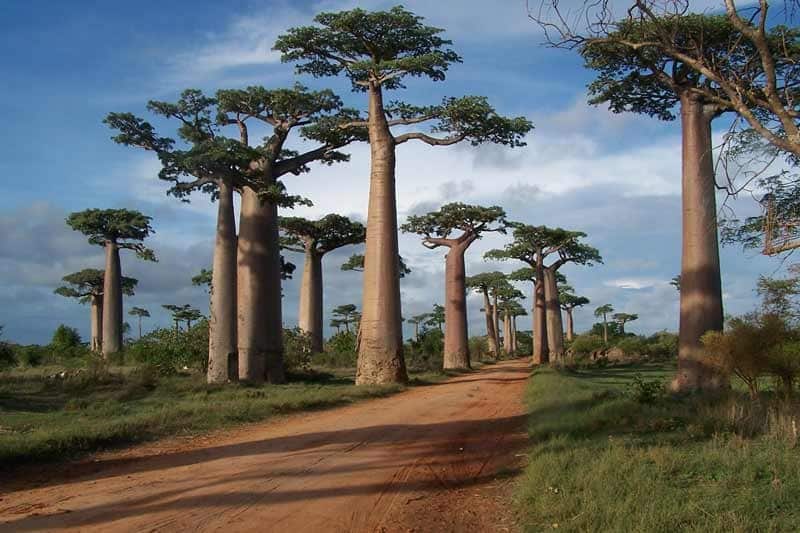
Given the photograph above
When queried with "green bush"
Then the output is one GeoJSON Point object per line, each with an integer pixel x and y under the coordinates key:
{"type": "Point", "coordinates": [296, 350]}
{"type": "Point", "coordinates": [30, 355]}
{"type": "Point", "coordinates": [662, 345]}
{"type": "Point", "coordinates": [583, 345]}
{"type": "Point", "coordinates": [343, 342]}
{"type": "Point", "coordinates": [7, 356]}
{"type": "Point", "coordinates": [645, 391]}
{"type": "Point", "coordinates": [478, 348]}
{"type": "Point", "coordinates": [524, 343]}
{"type": "Point", "coordinates": [169, 351]}
{"type": "Point", "coordinates": [633, 345]}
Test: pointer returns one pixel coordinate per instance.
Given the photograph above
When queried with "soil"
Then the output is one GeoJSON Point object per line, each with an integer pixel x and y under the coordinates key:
{"type": "Point", "coordinates": [436, 458]}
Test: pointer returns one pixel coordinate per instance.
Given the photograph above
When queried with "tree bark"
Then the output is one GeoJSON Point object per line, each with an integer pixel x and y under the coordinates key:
{"type": "Point", "coordinates": [222, 357]}
{"type": "Point", "coordinates": [570, 325]}
{"type": "Point", "coordinates": [507, 333]}
{"type": "Point", "coordinates": [541, 354]}
{"type": "Point", "coordinates": [96, 310]}
{"type": "Point", "coordinates": [380, 353]}
{"type": "Point", "coordinates": [496, 320]}
{"type": "Point", "coordinates": [605, 329]}
{"type": "Point", "coordinates": [112, 300]}
{"type": "Point", "coordinates": [310, 314]}
{"type": "Point", "coordinates": [456, 344]}
{"type": "Point", "coordinates": [514, 335]}
{"type": "Point", "coordinates": [701, 285]}
{"type": "Point", "coordinates": [555, 327]}
{"type": "Point", "coordinates": [491, 334]}
{"type": "Point", "coordinates": [260, 325]}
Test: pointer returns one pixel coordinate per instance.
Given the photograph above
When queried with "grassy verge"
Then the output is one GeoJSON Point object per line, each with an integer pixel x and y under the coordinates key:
{"type": "Point", "coordinates": [43, 419]}
{"type": "Point", "coordinates": [603, 461]}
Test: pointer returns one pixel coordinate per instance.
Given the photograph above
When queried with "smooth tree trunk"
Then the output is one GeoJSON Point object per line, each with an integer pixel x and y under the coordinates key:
{"type": "Point", "coordinates": [570, 325]}
{"type": "Point", "coordinates": [555, 326]}
{"type": "Point", "coordinates": [506, 333]}
{"type": "Point", "coordinates": [310, 313]}
{"type": "Point", "coordinates": [380, 352]}
{"type": "Point", "coordinates": [260, 325]}
{"type": "Point", "coordinates": [456, 345]}
{"type": "Point", "coordinates": [96, 310]}
{"type": "Point", "coordinates": [222, 357]}
{"type": "Point", "coordinates": [701, 285]}
{"type": "Point", "coordinates": [491, 333]}
{"type": "Point", "coordinates": [112, 300]}
{"type": "Point", "coordinates": [605, 330]}
{"type": "Point", "coordinates": [514, 335]}
{"type": "Point", "coordinates": [496, 320]}
{"type": "Point", "coordinates": [140, 328]}
{"type": "Point", "coordinates": [541, 354]}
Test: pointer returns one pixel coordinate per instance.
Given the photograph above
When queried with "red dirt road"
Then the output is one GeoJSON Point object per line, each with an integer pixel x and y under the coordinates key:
{"type": "Point", "coordinates": [427, 459]}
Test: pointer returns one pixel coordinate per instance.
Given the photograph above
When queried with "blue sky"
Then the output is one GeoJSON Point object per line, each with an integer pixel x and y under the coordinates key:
{"type": "Point", "coordinates": [66, 64]}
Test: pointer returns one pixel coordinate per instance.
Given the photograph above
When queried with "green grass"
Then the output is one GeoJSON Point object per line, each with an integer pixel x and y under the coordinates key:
{"type": "Point", "coordinates": [48, 420]}
{"type": "Point", "coordinates": [601, 461]}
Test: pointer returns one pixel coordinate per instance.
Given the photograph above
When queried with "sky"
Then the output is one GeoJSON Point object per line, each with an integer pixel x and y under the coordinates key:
{"type": "Point", "coordinates": [65, 65]}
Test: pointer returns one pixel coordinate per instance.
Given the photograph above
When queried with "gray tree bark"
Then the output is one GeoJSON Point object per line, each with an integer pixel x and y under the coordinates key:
{"type": "Point", "coordinates": [541, 354]}
{"type": "Point", "coordinates": [96, 311]}
{"type": "Point", "coordinates": [570, 325]}
{"type": "Point", "coordinates": [555, 327]}
{"type": "Point", "coordinates": [491, 334]}
{"type": "Point", "coordinates": [456, 337]}
{"type": "Point", "coordinates": [112, 300]}
{"type": "Point", "coordinates": [311, 304]}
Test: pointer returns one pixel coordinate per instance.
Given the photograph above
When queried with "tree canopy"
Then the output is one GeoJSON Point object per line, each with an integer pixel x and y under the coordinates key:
{"type": "Point", "coordinates": [89, 282]}
{"type": "Point", "coordinates": [485, 281]}
{"type": "Point", "coordinates": [356, 263]}
{"type": "Point", "coordinates": [322, 236]}
{"type": "Point", "coordinates": [568, 300]}
{"type": "Point", "coordinates": [471, 221]}
{"type": "Point", "coordinates": [139, 311]}
{"type": "Point", "coordinates": [530, 241]}
{"type": "Point", "coordinates": [125, 227]}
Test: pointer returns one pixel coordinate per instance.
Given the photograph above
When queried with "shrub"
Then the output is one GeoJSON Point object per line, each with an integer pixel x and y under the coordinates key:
{"type": "Point", "coordinates": [583, 345]}
{"type": "Point", "coordinates": [168, 350]}
{"type": "Point", "coordinates": [524, 343]}
{"type": "Point", "coordinates": [783, 362]}
{"type": "Point", "coordinates": [65, 337]}
{"type": "Point", "coordinates": [342, 343]}
{"type": "Point", "coordinates": [7, 356]}
{"type": "Point", "coordinates": [478, 348]}
{"type": "Point", "coordinates": [644, 391]}
{"type": "Point", "coordinates": [296, 350]}
{"type": "Point", "coordinates": [31, 355]}
{"type": "Point", "coordinates": [633, 345]}
{"type": "Point", "coordinates": [662, 345]}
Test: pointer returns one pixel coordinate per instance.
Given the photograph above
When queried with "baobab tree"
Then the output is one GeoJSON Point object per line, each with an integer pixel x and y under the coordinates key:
{"type": "Point", "coordinates": [183, 313]}
{"type": "Point", "coordinates": [485, 284]}
{"type": "Point", "coordinates": [622, 319]}
{"type": "Point", "coordinates": [346, 314]}
{"type": "Point", "coordinates": [676, 282]}
{"type": "Point", "coordinates": [314, 239]}
{"type": "Point", "coordinates": [436, 317]}
{"type": "Point", "coordinates": [638, 76]}
{"type": "Point", "coordinates": [511, 310]}
{"type": "Point", "coordinates": [247, 269]}
{"type": "Point", "coordinates": [508, 307]}
{"type": "Point", "coordinates": [398, 45]}
{"type": "Point", "coordinates": [87, 286]}
{"type": "Point", "coordinates": [569, 302]}
{"type": "Point", "coordinates": [416, 320]}
{"type": "Point", "coordinates": [140, 313]}
{"type": "Point", "coordinates": [602, 312]}
{"type": "Point", "coordinates": [456, 226]}
{"type": "Point", "coordinates": [115, 230]}
{"type": "Point", "coordinates": [356, 263]}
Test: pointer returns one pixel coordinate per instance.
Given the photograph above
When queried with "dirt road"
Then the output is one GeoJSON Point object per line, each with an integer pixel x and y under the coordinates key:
{"type": "Point", "coordinates": [433, 458]}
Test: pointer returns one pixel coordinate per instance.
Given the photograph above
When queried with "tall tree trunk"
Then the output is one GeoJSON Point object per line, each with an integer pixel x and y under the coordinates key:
{"type": "Point", "coordinates": [701, 285]}
{"type": "Point", "coordinates": [555, 327]}
{"type": "Point", "coordinates": [112, 301]}
{"type": "Point", "coordinates": [416, 331]}
{"type": "Point", "coordinates": [507, 333]}
{"type": "Point", "coordinates": [222, 358]}
{"type": "Point", "coordinates": [514, 335]}
{"type": "Point", "coordinates": [491, 334]}
{"type": "Point", "coordinates": [310, 314]}
{"type": "Point", "coordinates": [140, 327]}
{"type": "Point", "coordinates": [541, 354]}
{"type": "Point", "coordinates": [496, 320]}
{"type": "Point", "coordinates": [456, 345]}
{"type": "Point", "coordinates": [570, 325]}
{"type": "Point", "coordinates": [380, 353]}
{"type": "Point", "coordinates": [96, 310]}
{"type": "Point", "coordinates": [605, 330]}
{"type": "Point", "coordinates": [260, 325]}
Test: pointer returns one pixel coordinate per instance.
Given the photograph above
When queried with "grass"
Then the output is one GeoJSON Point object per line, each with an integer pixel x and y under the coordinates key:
{"type": "Point", "coordinates": [602, 461]}
{"type": "Point", "coordinates": [43, 419]}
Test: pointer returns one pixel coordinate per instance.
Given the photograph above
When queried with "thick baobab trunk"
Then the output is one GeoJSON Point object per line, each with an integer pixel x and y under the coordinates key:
{"type": "Point", "coordinates": [260, 327]}
{"type": "Point", "coordinates": [310, 314]}
{"type": "Point", "coordinates": [491, 333]}
{"type": "Point", "coordinates": [112, 300]}
{"type": "Point", "coordinates": [507, 333]}
{"type": "Point", "coordinates": [380, 353]}
{"type": "Point", "coordinates": [570, 325]}
{"type": "Point", "coordinates": [605, 330]}
{"type": "Point", "coordinates": [496, 320]}
{"type": "Point", "coordinates": [555, 327]}
{"type": "Point", "coordinates": [701, 286]}
{"type": "Point", "coordinates": [96, 310]}
{"type": "Point", "coordinates": [514, 335]}
{"type": "Point", "coordinates": [222, 358]}
{"type": "Point", "coordinates": [541, 354]}
{"type": "Point", "coordinates": [456, 345]}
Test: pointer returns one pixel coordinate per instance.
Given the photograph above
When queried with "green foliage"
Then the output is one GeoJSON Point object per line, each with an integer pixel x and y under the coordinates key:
{"type": "Point", "coordinates": [614, 331]}
{"type": "Point", "coordinates": [296, 350]}
{"type": "Point", "coordinates": [65, 341]}
{"type": "Point", "coordinates": [89, 282]}
{"type": "Point", "coordinates": [343, 343]}
{"type": "Point", "coordinates": [436, 317]}
{"type": "Point", "coordinates": [7, 356]}
{"type": "Point", "coordinates": [169, 351]}
{"type": "Point", "coordinates": [324, 235]}
{"type": "Point", "coordinates": [479, 348]}
{"type": "Point", "coordinates": [583, 345]}
{"type": "Point", "coordinates": [568, 300]}
{"type": "Point", "coordinates": [645, 391]}
{"type": "Point", "coordinates": [203, 279]}
{"type": "Point", "coordinates": [426, 354]}
{"type": "Point", "coordinates": [470, 220]}
{"type": "Point", "coordinates": [524, 343]}
{"type": "Point", "coordinates": [125, 227]}
{"type": "Point", "coordinates": [530, 241]}
{"type": "Point", "coordinates": [356, 263]}
{"type": "Point", "coordinates": [779, 296]}
{"type": "Point", "coordinates": [485, 281]}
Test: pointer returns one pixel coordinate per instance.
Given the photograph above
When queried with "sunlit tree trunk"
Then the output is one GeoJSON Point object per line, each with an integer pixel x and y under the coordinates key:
{"type": "Point", "coordinates": [555, 327]}
{"type": "Point", "coordinates": [222, 358]}
{"type": "Point", "coordinates": [507, 345]}
{"type": "Point", "coordinates": [456, 345]}
{"type": "Point", "coordinates": [310, 312]}
{"type": "Point", "coordinates": [570, 325]}
{"type": "Point", "coordinates": [112, 301]}
{"type": "Point", "coordinates": [491, 334]}
{"type": "Point", "coordinates": [541, 353]}
{"type": "Point", "coordinates": [514, 335]}
{"type": "Point", "coordinates": [96, 310]}
{"type": "Point", "coordinates": [380, 353]}
{"type": "Point", "coordinates": [701, 286]}
{"type": "Point", "coordinates": [496, 320]}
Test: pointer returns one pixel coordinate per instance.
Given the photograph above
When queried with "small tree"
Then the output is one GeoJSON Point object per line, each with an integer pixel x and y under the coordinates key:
{"type": "Point", "coordinates": [509, 307]}
{"type": "Point", "coordinates": [396, 46]}
{"type": "Point", "coordinates": [416, 320]}
{"type": "Point", "coordinates": [140, 313]}
{"type": "Point", "coordinates": [65, 338]}
{"type": "Point", "coordinates": [346, 314]}
{"type": "Point", "coordinates": [183, 313]}
{"type": "Point", "coordinates": [87, 286]}
{"type": "Point", "coordinates": [314, 239]}
{"type": "Point", "coordinates": [569, 302]}
{"type": "Point", "coordinates": [486, 284]}
{"type": "Point", "coordinates": [436, 317]}
{"type": "Point", "coordinates": [779, 296]}
{"type": "Point", "coordinates": [114, 229]}
{"type": "Point", "coordinates": [356, 263]}
{"type": "Point", "coordinates": [622, 319]}
{"type": "Point", "coordinates": [456, 226]}
{"type": "Point", "coordinates": [602, 312]}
